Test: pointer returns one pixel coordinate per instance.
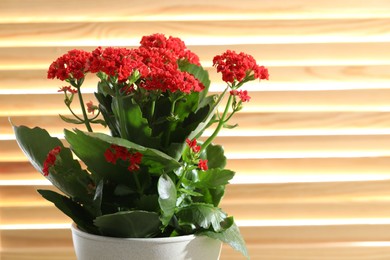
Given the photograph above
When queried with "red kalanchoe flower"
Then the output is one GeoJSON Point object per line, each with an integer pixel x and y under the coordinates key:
{"type": "Point", "coordinates": [68, 89]}
{"type": "Point", "coordinates": [193, 145]}
{"type": "Point", "coordinates": [203, 165]}
{"type": "Point", "coordinates": [164, 74]}
{"type": "Point", "coordinates": [91, 107]}
{"type": "Point", "coordinates": [236, 66]}
{"type": "Point", "coordinates": [173, 46]}
{"type": "Point", "coordinates": [135, 160]}
{"type": "Point", "coordinates": [110, 156]}
{"type": "Point", "coordinates": [71, 65]}
{"type": "Point", "coordinates": [117, 62]}
{"type": "Point", "coordinates": [50, 160]}
{"type": "Point", "coordinates": [115, 152]}
{"type": "Point", "coordinates": [242, 94]}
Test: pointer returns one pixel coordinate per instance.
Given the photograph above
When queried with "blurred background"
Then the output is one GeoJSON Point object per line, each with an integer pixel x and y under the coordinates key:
{"type": "Point", "coordinates": [312, 148]}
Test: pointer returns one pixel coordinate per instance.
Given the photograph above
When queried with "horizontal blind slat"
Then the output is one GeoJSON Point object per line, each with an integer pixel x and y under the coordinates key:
{"type": "Point", "coordinates": [196, 32]}
{"type": "Point", "coordinates": [288, 54]}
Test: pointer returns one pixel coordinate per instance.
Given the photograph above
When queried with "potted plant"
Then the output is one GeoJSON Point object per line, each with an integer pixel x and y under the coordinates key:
{"type": "Point", "coordinates": [153, 176]}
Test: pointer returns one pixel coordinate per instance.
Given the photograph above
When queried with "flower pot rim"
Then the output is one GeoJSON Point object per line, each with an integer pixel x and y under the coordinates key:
{"type": "Point", "coordinates": [81, 233]}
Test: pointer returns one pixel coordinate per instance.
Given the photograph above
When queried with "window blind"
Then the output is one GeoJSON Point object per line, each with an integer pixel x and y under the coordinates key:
{"type": "Point", "coordinates": [312, 148]}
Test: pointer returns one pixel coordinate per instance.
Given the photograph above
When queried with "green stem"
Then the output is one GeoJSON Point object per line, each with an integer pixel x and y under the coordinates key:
{"type": "Point", "coordinates": [85, 116]}
{"type": "Point", "coordinates": [152, 108]}
{"type": "Point", "coordinates": [221, 122]}
{"type": "Point", "coordinates": [171, 124]}
{"type": "Point", "coordinates": [121, 115]}
{"type": "Point", "coordinates": [77, 117]}
{"type": "Point", "coordinates": [179, 182]}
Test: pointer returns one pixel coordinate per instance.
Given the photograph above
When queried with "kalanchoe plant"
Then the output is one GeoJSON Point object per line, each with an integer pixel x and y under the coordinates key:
{"type": "Point", "coordinates": [151, 176]}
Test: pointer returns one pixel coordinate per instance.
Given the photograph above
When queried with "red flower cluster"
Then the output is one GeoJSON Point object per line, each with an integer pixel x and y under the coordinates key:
{"type": "Point", "coordinates": [160, 55]}
{"type": "Point", "coordinates": [91, 107]}
{"type": "Point", "coordinates": [195, 148]}
{"type": "Point", "coordinates": [203, 165]}
{"type": "Point", "coordinates": [116, 152]}
{"type": "Point", "coordinates": [235, 66]}
{"type": "Point", "coordinates": [173, 45]}
{"type": "Point", "coordinates": [50, 160]}
{"type": "Point", "coordinates": [155, 60]}
{"type": "Point", "coordinates": [242, 94]}
{"type": "Point", "coordinates": [120, 62]}
{"type": "Point", "coordinates": [72, 65]}
{"type": "Point", "coordinates": [193, 145]}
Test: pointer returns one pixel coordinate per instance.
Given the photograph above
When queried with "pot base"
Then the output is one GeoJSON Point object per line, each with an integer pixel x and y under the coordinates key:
{"type": "Point", "coordinates": [190, 247]}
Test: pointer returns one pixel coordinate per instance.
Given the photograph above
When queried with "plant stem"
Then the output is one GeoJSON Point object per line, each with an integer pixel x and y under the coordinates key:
{"type": "Point", "coordinates": [121, 115]}
{"type": "Point", "coordinates": [221, 122]}
{"type": "Point", "coordinates": [152, 108]}
{"type": "Point", "coordinates": [167, 134]}
{"type": "Point", "coordinates": [85, 116]}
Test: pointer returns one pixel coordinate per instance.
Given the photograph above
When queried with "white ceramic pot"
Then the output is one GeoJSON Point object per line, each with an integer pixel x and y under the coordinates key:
{"type": "Point", "coordinates": [190, 247]}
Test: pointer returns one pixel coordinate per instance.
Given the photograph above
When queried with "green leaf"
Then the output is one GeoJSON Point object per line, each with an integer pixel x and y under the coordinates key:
{"type": "Point", "coordinates": [167, 198]}
{"type": "Point", "coordinates": [131, 224]}
{"type": "Point", "coordinates": [75, 211]}
{"type": "Point", "coordinates": [71, 120]}
{"type": "Point", "coordinates": [203, 215]}
{"type": "Point", "coordinates": [99, 121]}
{"type": "Point", "coordinates": [190, 192]}
{"type": "Point", "coordinates": [216, 195]}
{"type": "Point", "coordinates": [67, 174]}
{"type": "Point", "coordinates": [148, 203]}
{"type": "Point", "coordinates": [90, 148]}
{"type": "Point", "coordinates": [91, 151]}
{"type": "Point", "coordinates": [105, 102]}
{"type": "Point", "coordinates": [230, 236]}
{"type": "Point", "coordinates": [215, 156]}
{"type": "Point", "coordinates": [136, 126]}
{"type": "Point", "coordinates": [230, 126]}
{"type": "Point", "coordinates": [213, 178]}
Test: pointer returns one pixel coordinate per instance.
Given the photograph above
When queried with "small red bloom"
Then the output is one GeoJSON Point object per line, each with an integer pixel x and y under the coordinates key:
{"type": "Point", "coordinates": [67, 89]}
{"type": "Point", "coordinates": [50, 160]}
{"type": "Point", "coordinates": [91, 107]}
{"type": "Point", "coordinates": [203, 165]}
{"type": "Point", "coordinates": [110, 156]}
{"type": "Point", "coordinates": [115, 152]}
{"type": "Point", "coordinates": [193, 145]}
{"type": "Point", "coordinates": [135, 160]}
{"type": "Point", "coordinates": [243, 95]}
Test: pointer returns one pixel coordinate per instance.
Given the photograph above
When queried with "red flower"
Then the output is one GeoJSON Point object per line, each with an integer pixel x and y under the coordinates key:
{"type": "Point", "coordinates": [68, 89]}
{"type": "Point", "coordinates": [163, 73]}
{"type": "Point", "coordinates": [116, 62]}
{"type": "Point", "coordinates": [115, 152]}
{"type": "Point", "coordinates": [110, 156]}
{"type": "Point", "coordinates": [235, 66]}
{"type": "Point", "coordinates": [50, 160]}
{"type": "Point", "coordinates": [135, 160]}
{"type": "Point", "coordinates": [203, 165]}
{"type": "Point", "coordinates": [72, 65]}
{"type": "Point", "coordinates": [243, 95]}
{"type": "Point", "coordinates": [193, 145]}
{"type": "Point", "coordinates": [174, 46]}
{"type": "Point", "coordinates": [91, 107]}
